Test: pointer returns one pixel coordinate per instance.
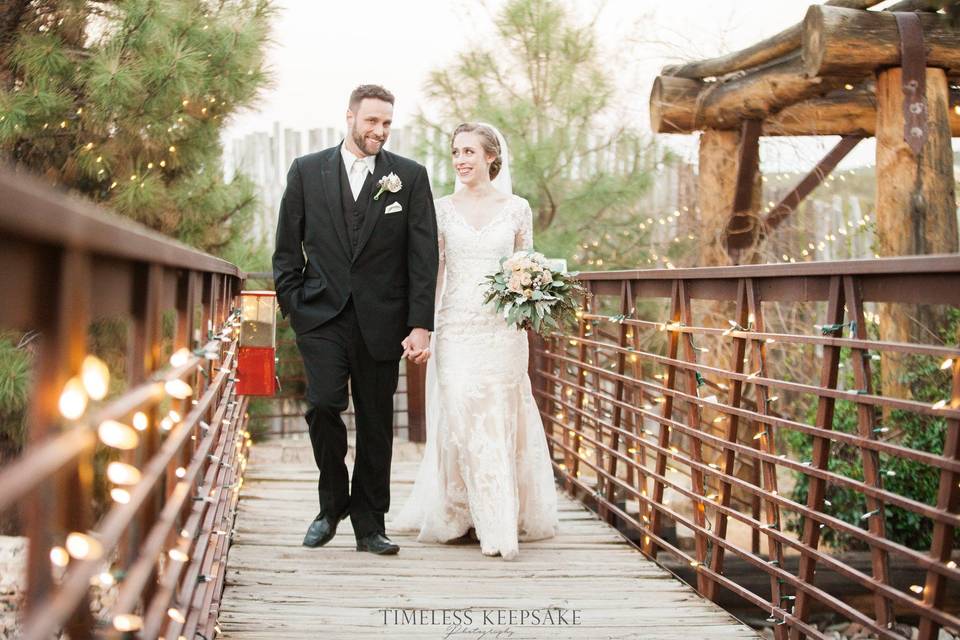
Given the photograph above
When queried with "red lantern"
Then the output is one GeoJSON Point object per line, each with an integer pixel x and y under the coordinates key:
{"type": "Point", "coordinates": [256, 367]}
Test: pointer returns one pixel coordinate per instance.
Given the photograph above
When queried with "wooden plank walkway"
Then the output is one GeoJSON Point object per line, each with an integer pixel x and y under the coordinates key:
{"type": "Point", "coordinates": [276, 588]}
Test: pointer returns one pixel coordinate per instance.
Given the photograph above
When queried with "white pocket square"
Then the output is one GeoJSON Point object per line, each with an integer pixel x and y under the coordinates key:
{"type": "Point", "coordinates": [393, 208]}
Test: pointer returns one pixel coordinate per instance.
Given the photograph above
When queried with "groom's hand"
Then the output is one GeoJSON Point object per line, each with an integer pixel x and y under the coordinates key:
{"type": "Point", "coordinates": [416, 346]}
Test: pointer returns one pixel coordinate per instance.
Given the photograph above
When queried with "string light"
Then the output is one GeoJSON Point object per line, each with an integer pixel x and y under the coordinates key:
{"type": "Point", "coordinates": [127, 622]}
{"type": "Point", "coordinates": [118, 435]}
{"type": "Point", "coordinates": [123, 473]}
{"type": "Point", "coordinates": [178, 389]}
{"type": "Point", "coordinates": [73, 399]}
{"type": "Point", "coordinates": [177, 555]}
{"type": "Point", "coordinates": [59, 556]}
{"type": "Point", "coordinates": [82, 546]}
{"type": "Point", "coordinates": [120, 496]}
{"type": "Point", "coordinates": [140, 421]}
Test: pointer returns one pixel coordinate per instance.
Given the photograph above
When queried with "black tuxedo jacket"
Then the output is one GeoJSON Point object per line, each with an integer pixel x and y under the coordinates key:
{"type": "Point", "coordinates": [391, 276]}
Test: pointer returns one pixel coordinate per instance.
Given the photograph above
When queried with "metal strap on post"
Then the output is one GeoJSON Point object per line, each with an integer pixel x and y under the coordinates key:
{"type": "Point", "coordinates": [914, 65]}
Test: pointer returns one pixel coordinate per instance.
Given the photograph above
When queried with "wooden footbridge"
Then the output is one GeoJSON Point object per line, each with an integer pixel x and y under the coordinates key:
{"type": "Point", "coordinates": [589, 579]}
{"type": "Point", "coordinates": [702, 423]}
{"type": "Point", "coordinates": [667, 457]}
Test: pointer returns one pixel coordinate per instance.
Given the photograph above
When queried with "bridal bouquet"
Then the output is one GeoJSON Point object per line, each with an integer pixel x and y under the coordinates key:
{"type": "Point", "coordinates": [532, 295]}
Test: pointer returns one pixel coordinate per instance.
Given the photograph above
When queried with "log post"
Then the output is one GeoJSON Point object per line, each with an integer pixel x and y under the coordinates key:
{"type": "Point", "coordinates": [916, 205]}
{"type": "Point", "coordinates": [719, 166]}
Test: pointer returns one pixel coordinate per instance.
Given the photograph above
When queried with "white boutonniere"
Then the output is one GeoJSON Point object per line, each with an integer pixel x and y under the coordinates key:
{"type": "Point", "coordinates": [390, 182]}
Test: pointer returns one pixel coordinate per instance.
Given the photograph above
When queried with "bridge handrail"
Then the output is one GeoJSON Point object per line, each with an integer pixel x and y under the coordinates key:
{"type": "Point", "coordinates": [631, 407]}
{"type": "Point", "coordinates": [161, 544]}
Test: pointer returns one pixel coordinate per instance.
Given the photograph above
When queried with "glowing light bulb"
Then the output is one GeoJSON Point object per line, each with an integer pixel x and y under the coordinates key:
{"type": "Point", "coordinates": [180, 357]}
{"type": "Point", "coordinates": [178, 555]}
{"type": "Point", "coordinates": [118, 435]}
{"type": "Point", "coordinates": [127, 622]}
{"type": "Point", "coordinates": [947, 364]}
{"type": "Point", "coordinates": [178, 389]}
{"type": "Point", "coordinates": [140, 421]}
{"type": "Point", "coordinates": [120, 496]}
{"type": "Point", "coordinates": [95, 376]}
{"type": "Point", "coordinates": [180, 472]}
{"type": "Point", "coordinates": [59, 556]}
{"type": "Point", "coordinates": [81, 546]}
{"type": "Point", "coordinates": [176, 615]}
{"type": "Point", "coordinates": [73, 399]}
{"type": "Point", "coordinates": [123, 473]}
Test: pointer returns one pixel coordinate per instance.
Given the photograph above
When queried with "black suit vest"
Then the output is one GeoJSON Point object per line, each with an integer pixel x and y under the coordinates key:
{"type": "Point", "coordinates": [354, 211]}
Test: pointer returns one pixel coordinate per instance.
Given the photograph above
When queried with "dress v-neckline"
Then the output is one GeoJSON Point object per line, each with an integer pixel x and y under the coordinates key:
{"type": "Point", "coordinates": [486, 225]}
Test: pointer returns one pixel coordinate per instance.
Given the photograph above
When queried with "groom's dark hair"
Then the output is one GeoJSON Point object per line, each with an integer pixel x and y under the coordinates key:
{"type": "Point", "coordinates": [368, 91]}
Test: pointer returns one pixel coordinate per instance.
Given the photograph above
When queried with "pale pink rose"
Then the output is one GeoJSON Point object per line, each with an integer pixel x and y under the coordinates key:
{"type": "Point", "coordinates": [525, 279]}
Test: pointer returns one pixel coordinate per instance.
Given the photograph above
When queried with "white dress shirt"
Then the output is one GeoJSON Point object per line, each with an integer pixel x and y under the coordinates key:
{"type": "Point", "coordinates": [357, 173]}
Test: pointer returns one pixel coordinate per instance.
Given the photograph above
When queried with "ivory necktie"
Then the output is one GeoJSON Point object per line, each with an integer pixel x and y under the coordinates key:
{"type": "Point", "coordinates": [358, 173]}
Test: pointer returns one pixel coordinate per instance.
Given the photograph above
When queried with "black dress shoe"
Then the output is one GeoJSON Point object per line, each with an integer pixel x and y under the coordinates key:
{"type": "Point", "coordinates": [377, 543]}
{"type": "Point", "coordinates": [321, 530]}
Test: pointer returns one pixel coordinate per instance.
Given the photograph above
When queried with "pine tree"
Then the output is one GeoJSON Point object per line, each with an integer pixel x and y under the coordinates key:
{"type": "Point", "coordinates": [545, 82]}
{"type": "Point", "coordinates": [123, 102]}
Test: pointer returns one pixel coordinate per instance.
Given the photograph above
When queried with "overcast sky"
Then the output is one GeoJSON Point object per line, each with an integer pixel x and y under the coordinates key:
{"type": "Point", "coordinates": [321, 50]}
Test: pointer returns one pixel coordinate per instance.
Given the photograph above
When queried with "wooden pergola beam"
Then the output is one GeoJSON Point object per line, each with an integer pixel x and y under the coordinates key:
{"type": "Point", "coordinates": [773, 47]}
{"type": "Point", "coordinates": [841, 112]}
{"type": "Point", "coordinates": [724, 104]}
{"type": "Point", "coordinates": [841, 41]}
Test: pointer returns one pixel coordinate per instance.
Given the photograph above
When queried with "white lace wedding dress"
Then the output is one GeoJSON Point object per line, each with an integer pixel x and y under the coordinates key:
{"type": "Point", "coordinates": [486, 463]}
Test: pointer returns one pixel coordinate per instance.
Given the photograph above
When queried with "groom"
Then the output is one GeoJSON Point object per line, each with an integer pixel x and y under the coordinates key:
{"type": "Point", "coordinates": [355, 268]}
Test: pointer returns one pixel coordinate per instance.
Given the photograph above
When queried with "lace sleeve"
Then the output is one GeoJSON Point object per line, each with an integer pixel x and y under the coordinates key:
{"type": "Point", "coordinates": [523, 240]}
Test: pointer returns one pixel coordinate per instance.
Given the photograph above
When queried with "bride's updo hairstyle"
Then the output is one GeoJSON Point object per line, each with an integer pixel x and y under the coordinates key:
{"type": "Point", "coordinates": [488, 140]}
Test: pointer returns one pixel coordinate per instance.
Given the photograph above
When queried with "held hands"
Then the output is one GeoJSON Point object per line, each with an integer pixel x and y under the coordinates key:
{"type": "Point", "coordinates": [416, 346]}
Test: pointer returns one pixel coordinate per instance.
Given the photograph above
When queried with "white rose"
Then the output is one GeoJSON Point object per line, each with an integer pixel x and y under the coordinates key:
{"type": "Point", "coordinates": [393, 183]}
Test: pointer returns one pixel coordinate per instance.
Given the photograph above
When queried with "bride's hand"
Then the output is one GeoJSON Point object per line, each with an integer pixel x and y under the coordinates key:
{"type": "Point", "coordinates": [416, 346]}
{"type": "Point", "coordinates": [419, 357]}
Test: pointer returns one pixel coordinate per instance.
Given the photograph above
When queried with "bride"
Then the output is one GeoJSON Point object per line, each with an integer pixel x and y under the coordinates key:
{"type": "Point", "coordinates": [485, 466]}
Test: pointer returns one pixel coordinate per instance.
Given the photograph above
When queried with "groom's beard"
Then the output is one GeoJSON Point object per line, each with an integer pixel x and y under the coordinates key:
{"type": "Point", "coordinates": [365, 144]}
